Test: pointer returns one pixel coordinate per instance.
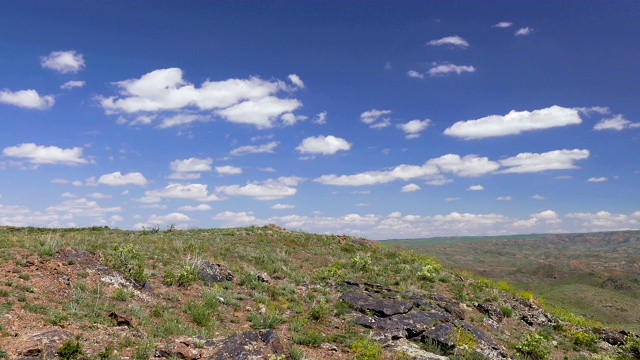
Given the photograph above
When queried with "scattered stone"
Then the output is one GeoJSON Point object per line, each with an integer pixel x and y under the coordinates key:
{"type": "Point", "coordinates": [264, 278]}
{"type": "Point", "coordinates": [212, 273]}
{"type": "Point", "coordinates": [119, 319]}
{"type": "Point", "coordinates": [609, 336]}
{"type": "Point", "coordinates": [380, 307]}
{"type": "Point", "coordinates": [413, 351]}
{"type": "Point", "coordinates": [178, 350]}
{"type": "Point", "coordinates": [44, 344]}
{"type": "Point", "coordinates": [491, 311]}
{"type": "Point", "coordinates": [248, 345]}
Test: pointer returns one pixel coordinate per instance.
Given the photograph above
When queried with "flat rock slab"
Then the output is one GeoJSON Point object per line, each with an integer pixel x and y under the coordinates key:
{"type": "Point", "coordinates": [248, 345]}
{"type": "Point", "coordinates": [379, 306]}
{"type": "Point", "coordinates": [409, 325]}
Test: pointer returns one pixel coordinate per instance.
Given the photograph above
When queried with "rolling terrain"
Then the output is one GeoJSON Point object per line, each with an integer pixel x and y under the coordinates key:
{"type": "Point", "coordinates": [593, 274]}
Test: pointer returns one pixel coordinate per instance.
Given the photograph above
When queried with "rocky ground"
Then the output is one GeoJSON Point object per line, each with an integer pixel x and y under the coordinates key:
{"type": "Point", "coordinates": [74, 303]}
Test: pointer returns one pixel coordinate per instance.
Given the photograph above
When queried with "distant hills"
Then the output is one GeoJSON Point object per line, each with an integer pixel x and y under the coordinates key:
{"type": "Point", "coordinates": [592, 274]}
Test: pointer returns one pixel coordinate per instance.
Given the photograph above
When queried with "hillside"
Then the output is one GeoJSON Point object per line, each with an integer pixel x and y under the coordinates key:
{"type": "Point", "coordinates": [594, 274]}
{"type": "Point", "coordinates": [265, 293]}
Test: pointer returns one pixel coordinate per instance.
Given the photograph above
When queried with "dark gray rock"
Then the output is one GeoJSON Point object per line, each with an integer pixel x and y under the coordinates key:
{"type": "Point", "coordinates": [211, 273]}
{"type": "Point", "coordinates": [441, 334]}
{"type": "Point", "coordinates": [491, 311]}
{"type": "Point", "coordinates": [379, 306]}
{"type": "Point", "coordinates": [609, 336]}
{"type": "Point", "coordinates": [248, 345]}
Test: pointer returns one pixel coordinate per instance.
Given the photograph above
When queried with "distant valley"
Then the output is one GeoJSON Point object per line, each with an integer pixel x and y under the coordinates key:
{"type": "Point", "coordinates": [593, 274]}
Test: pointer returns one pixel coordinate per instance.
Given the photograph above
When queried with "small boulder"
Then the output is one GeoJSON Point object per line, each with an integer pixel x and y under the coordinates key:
{"type": "Point", "coordinates": [379, 306]}
{"type": "Point", "coordinates": [211, 273]}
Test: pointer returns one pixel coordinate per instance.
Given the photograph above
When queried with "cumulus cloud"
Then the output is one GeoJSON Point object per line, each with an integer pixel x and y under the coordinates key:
{"type": "Point", "coordinates": [250, 101]}
{"type": "Point", "coordinates": [374, 118]}
{"type": "Point", "coordinates": [283, 206]}
{"type": "Point", "coordinates": [617, 122]}
{"type": "Point", "coordinates": [271, 189]}
{"type": "Point", "coordinates": [515, 122]}
{"type": "Point", "coordinates": [503, 24]}
{"type": "Point", "coordinates": [72, 84]}
{"type": "Point", "coordinates": [454, 40]}
{"type": "Point", "coordinates": [604, 220]}
{"type": "Point", "coordinates": [444, 69]}
{"type": "Point", "coordinates": [524, 31]}
{"type": "Point", "coordinates": [475, 188]}
{"type": "Point", "coordinates": [38, 154]}
{"type": "Point", "coordinates": [255, 149]}
{"type": "Point", "coordinates": [228, 170]}
{"type": "Point", "coordinates": [536, 162]}
{"type": "Point", "coordinates": [29, 99]}
{"type": "Point", "coordinates": [63, 61]}
{"type": "Point", "coordinates": [201, 207]}
{"type": "Point", "coordinates": [172, 121]}
{"type": "Point", "coordinates": [237, 219]}
{"type": "Point", "coordinates": [295, 79]}
{"type": "Point", "coordinates": [328, 145]}
{"type": "Point", "coordinates": [321, 118]}
{"type": "Point", "coordinates": [415, 74]}
{"type": "Point", "coordinates": [197, 192]}
{"type": "Point", "coordinates": [504, 198]}
{"type": "Point", "coordinates": [191, 165]}
{"type": "Point", "coordinates": [118, 179]}
{"type": "Point", "coordinates": [410, 188]}
{"type": "Point", "coordinates": [83, 208]}
{"type": "Point", "coordinates": [538, 197]}
{"type": "Point", "coordinates": [466, 166]}
{"type": "Point", "coordinates": [413, 128]}
{"type": "Point", "coordinates": [400, 172]}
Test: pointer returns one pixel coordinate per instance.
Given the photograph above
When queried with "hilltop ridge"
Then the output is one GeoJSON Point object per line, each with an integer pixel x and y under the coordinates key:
{"type": "Point", "coordinates": [266, 293]}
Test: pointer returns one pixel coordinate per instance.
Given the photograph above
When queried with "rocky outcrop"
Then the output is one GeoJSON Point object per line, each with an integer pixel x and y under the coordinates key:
{"type": "Point", "coordinates": [212, 273]}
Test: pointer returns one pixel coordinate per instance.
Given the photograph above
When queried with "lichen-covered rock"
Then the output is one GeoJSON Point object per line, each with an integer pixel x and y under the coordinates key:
{"type": "Point", "coordinates": [491, 311]}
{"type": "Point", "coordinates": [379, 306]}
{"type": "Point", "coordinates": [248, 345]}
{"type": "Point", "coordinates": [211, 273]}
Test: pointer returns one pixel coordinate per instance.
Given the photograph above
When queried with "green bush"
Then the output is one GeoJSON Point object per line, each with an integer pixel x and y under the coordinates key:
{"type": "Point", "coordinates": [129, 262]}
{"type": "Point", "coordinates": [506, 310]}
{"type": "Point", "coordinates": [586, 340]}
{"type": "Point", "coordinates": [366, 349]}
{"type": "Point", "coordinates": [70, 350]}
{"type": "Point", "coordinates": [534, 346]}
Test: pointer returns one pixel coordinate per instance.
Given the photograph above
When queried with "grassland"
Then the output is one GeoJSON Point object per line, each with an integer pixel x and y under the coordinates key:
{"type": "Point", "coordinates": [74, 280]}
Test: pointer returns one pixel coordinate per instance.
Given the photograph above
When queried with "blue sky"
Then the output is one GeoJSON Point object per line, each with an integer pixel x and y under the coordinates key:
{"type": "Point", "coordinates": [383, 119]}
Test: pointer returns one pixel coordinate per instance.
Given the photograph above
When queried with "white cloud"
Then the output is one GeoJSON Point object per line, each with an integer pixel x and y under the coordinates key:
{"type": "Point", "coordinates": [271, 189]}
{"type": "Point", "coordinates": [251, 149]}
{"type": "Point", "coordinates": [450, 40]}
{"type": "Point", "coordinates": [328, 145]}
{"type": "Point", "coordinates": [443, 69]}
{"type": "Point", "coordinates": [197, 192]}
{"type": "Point", "coordinates": [29, 99]}
{"type": "Point", "coordinates": [72, 84]}
{"type": "Point", "coordinates": [228, 170]}
{"type": "Point", "coordinates": [515, 122]}
{"type": "Point", "coordinates": [191, 165]}
{"type": "Point", "coordinates": [604, 220]}
{"type": "Point", "coordinates": [283, 206]}
{"type": "Point", "coordinates": [95, 195]}
{"type": "Point", "coordinates": [552, 160]}
{"type": "Point", "coordinates": [201, 207]}
{"type": "Point", "coordinates": [63, 61]}
{"type": "Point", "coordinates": [503, 24]}
{"type": "Point", "coordinates": [236, 219]}
{"type": "Point", "coordinates": [413, 128]}
{"type": "Point", "coordinates": [400, 172]}
{"type": "Point", "coordinates": [597, 179]}
{"type": "Point", "coordinates": [617, 122]}
{"type": "Point", "coordinates": [475, 188]}
{"type": "Point", "coordinates": [117, 179]}
{"type": "Point", "coordinates": [83, 208]}
{"type": "Point", "coordinates": [504, 198]}
{"type": "Point", "coordinates": [321, 118]}
{"type": "Point", "coordinates": [524, 31]}
{"type": "Point", "coordinates": [450, 199]}
{"type": "Point", "coordinates": [467, 166]}
{"type": "Point", "coordinates": [38, 154]}
{"type": "Point", "coordinates": [176, 120]}
{"type": "Point", "coordinates": [538, 197]}
{"type": "Point", "coordinates": [245, 101]}
{"type": "Point", "coordinates": [295, 79]}
{"type": "Point", "coordinates": [372, 116]}
{"type": "Point", "coordinates": [593, 109]}
{"type": "Point", "coordinates": [169, 218]}
{"type": "Point", "coordinates": [415, 74]}
{"type": "Point", "coordinates": [410, 188]}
